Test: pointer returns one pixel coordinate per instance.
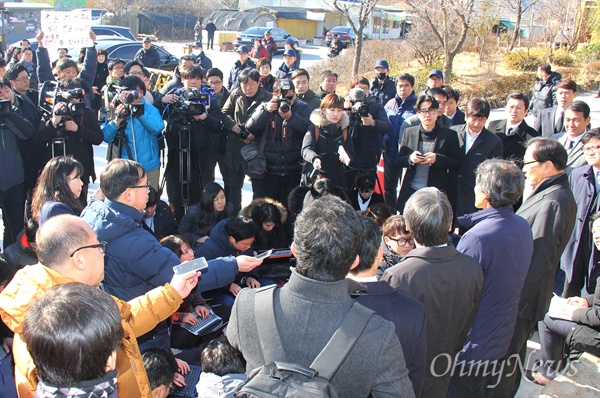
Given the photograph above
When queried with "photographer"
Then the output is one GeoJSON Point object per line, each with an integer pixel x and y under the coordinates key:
{"type": "Point", "coordinates": [239, 106]}
{"type": "Point", "coordinates": [285, 120]}
{"type": "Point", "coordinates": [140, 123]}
{"type": "Point", "coordinates": [78, 128]}
{"type": "Point", "coordinates": [204, 129]}
{"type": "Point", "coordinates": [116, 71]}
{"type": "Point", "coordinates": [368, 125]}
{"type": "Point", "coordinates": [12, 178]}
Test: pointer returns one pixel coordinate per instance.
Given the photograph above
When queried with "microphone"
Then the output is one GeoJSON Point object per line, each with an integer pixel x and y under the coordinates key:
{"type": "Point", "coordinates": [356, 95]}
{"type": "Point", "coordinates": [128, 96]}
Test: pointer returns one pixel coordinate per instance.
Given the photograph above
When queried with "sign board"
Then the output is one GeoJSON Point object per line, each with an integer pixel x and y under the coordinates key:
{"type": "Point", "coordinates": [68, 29]}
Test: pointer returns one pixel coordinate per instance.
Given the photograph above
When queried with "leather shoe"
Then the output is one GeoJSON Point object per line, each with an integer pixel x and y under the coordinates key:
{"type": "Point", "coordinates": [537, 378]}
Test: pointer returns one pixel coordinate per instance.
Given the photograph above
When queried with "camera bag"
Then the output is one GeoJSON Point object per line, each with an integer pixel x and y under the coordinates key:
{"type": "Point", "coordinates": [254, 162]}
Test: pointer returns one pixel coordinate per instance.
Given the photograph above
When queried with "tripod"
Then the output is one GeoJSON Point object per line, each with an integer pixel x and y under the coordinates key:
{"type": "Point", "coordinates": [185, 142]}
{"type": "Point", "coordinates": [116, 147]}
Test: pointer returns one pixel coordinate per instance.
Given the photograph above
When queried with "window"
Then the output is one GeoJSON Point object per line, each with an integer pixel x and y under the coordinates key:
{"type": "Point", "coordinates": [125, 52]}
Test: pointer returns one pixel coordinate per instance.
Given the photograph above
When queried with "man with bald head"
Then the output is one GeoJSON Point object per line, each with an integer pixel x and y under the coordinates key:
{"type": "Point", "coordinates": [69, 251]}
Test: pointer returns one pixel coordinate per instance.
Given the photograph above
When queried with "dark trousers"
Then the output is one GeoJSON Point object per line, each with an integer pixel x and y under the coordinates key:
{"type": "Point", "coordinates": [552, 338]}
{"type": "Point", "coordinates": [472, 385]}
{"type": "Point", "coordinates": [234, 181]}
{"type": "Point", "coordinates": [391, 175]}
{"type": "Point", "coordinates": [581, 279]}
{"type": "Point", "coordinates": [13, 212]}
{"type": "Point", "coordinates": [510, 378]}
{"type": "Point", "coordinates": [279, 187]}
{"type": "Point", "coordinates": [210, 41]}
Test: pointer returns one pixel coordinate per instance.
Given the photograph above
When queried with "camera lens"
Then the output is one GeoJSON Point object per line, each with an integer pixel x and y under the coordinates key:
{"type": "Point", "coordinates": [284, 107]}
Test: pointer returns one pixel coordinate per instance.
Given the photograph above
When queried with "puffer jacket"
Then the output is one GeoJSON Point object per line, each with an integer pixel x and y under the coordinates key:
{"type": "Point", "coordinates": [282, 153]}
{"type": "Point", "coordinates": [544, 94]}
{"type": "Point", "coordinates": [235, 71]}
{"type": "Point", "coordinates": [367, 140]}
{"type": "Point", "coordinates": [238, 110]}
{"type": "Point", "coordinates": [135, 262]}
{"type": "Point", "coordinates": [138, 316]}
{"type": "Point", "coordinates": [145, 129]}
{"type": "Point", "coordinates": [310, 98]}
{"type": "Point", "coordinates": [326, 147]}
{"type": "Point", "coordinates": [278, 236]}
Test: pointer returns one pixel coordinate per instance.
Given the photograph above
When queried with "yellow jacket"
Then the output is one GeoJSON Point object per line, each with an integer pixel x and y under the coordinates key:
{"type": "Point", "coordinates": [138, 317]}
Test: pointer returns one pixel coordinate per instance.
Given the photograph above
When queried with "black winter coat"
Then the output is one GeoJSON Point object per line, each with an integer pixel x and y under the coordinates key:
{"type": "Point", "coordinates": [368, 140]}
{"type": "Point", "coordinates": [283, 154]}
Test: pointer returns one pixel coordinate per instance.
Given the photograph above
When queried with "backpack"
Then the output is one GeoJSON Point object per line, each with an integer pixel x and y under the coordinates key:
{"type": "Point", "coordinates": [279, 378]}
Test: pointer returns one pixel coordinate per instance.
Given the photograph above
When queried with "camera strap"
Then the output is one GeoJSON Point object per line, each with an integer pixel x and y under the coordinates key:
{"type": "Point", "coordinates": [317, 131]}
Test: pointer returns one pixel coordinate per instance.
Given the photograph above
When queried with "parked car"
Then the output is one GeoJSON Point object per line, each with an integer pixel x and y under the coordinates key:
{"type": "Point", "coordinates": [247, 37]}
{"type": "Point", "coordinates": [345, 33]}
{"type": "Point", "coordinates": [126, 50]}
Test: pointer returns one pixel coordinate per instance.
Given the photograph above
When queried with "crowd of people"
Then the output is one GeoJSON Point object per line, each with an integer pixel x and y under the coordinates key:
{"type": "Point", "coordinates": [447, 277]}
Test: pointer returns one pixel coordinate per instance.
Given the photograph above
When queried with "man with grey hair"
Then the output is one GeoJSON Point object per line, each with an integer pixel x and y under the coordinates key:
{"type": "Point", "coordinates": [503, 244]}
{"type": "Point", "coordinates": [550, 210]}
{"type": "Point", "coordinates": [312, 305]}
{"type": "Point", "coordinates": [449, 283]}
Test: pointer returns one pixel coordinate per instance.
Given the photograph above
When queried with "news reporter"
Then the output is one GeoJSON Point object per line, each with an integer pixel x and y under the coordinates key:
{"type": "Point", "coordinates": [141, 132]}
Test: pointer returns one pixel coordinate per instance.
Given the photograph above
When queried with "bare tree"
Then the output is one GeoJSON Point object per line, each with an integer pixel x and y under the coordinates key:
{"type": "Point", "coordinates": [121, 6]}
{"type": "Point", "coordinates": [518, 7]}
{"type": "Point", "coordinates": [357, 14]}
{"type": "Point", "coordinates": [449, 21]}
{"type": "Point", "coordinates": [566, 18]}
{"type": "Point", "coordinates": [423, 41]}
{"type": "Point", "coordinates": [484, 19]}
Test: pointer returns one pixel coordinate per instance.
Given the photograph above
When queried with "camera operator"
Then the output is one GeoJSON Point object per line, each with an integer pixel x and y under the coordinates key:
{"type": "Point", "coordinates": [116, 72]}
{"type": "Point", "coordinates": [368, 125]}
{"type": "Point", "coordinates": [79, 129]}
{"type": "Point", "coordinates": [239, 106]}
{"type": "Point", "coordinates": [140, 123]}
{"type": "Point", "coordinates": [13, 128]}
{"type": "Point", "coordinates": [204, 129]}
{"type": "Point", "coordinates": [285, 120]}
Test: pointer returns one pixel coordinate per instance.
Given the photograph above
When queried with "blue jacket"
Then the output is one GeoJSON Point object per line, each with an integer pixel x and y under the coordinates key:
{"type": "Point", "coordinates": [235, 71]}
{"type": "Point", "coordinates": [146, 128]}
{"type": "Point", "coordinates": [218, 245]}
{"type": "Point", "coordinates": [397, 110]}
{"type": "Point", "coordinates": [150, 57]}
{"type": "Point", "coordinates": [502, 242]}
{"type": "Point", "coordinates": [135, 262]}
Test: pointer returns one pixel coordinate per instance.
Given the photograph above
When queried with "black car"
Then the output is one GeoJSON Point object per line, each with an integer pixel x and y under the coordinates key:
{"type": "Point", "coordinates": [345, 33]}
{"type": "Point", "coordinates": [247, 37]}
{"type": "Point", "coordinates": [126, 50]}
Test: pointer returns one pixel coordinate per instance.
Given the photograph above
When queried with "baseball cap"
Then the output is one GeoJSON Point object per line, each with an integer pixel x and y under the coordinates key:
{"type": "Point", "coordinates": [290, 41]}
{"type": "Point", "coordinates": [243, 49]}
{"type": "Point", "coordinates": [382, 63]}
{"type": "Point", "coordinates": [198, 44]}
{"type": "Point", "coordinates": [436, 72]}
{"type": "Point", "coordinates": [289, 52]}
{"type": "Point", "coordinates": [146, 40]}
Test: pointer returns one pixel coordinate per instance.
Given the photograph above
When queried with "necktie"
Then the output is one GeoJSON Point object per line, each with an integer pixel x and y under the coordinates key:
{"type": "Point", "coordinates": [509, 132]}
{"type": "Point", "coordinates": [570, 144]}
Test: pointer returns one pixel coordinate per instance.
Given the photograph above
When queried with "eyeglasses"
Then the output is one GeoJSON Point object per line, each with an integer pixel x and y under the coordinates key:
{"type": "Point", "coordinates": [147, 186]}
{"type": "Point", "coordinates": [22, 79]}
{"type": "Point", "coordinates": [591, 148]}
{"type": "Point", "coordinates": [429, 112]}
{"type": "Point", "coordinates": [118, 67]}
{"type": "Point", "coordinates": [530, 162]}
{"type": "Point", "coordinates": [135, 73]}
{"type": "Point", "coordinates": [102, 246]}
{"type": "Point", "coordinates": [402, 241]}
{"type": "Point", "coordinates": [215, 82]}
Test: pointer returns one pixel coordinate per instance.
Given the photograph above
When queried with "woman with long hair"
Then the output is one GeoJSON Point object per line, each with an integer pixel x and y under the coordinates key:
{"type": "Point", "coordinates": [202, 217]}
{"type": "Point", "coordinates": [269, 216]}
{"type": "Point", "coordinates": [58, 189]}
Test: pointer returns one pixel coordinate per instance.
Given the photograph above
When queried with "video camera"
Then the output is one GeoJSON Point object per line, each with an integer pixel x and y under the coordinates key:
{"type": "Point", "coordinates": [53, 94]}
{"type": "Point", "coordinates": [192, 102]}
{"type": "Point", "coordinates": [360, 103]}
{"type": "Point", "coordinates": [283, 101]}
{"type": "Point", "coordinates": [126, 98]}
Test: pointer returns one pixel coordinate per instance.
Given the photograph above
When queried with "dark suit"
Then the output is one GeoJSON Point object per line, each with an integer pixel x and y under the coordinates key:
{"type": "Point", "coordinates": [545, 123]}
{"type": "Point", "coordinates": [515, 144]}
{"type": "Point", "coordinates": [441, 173]}
{"type": "Point", "coordinates": [577, 260]}
{"type": "Point", "coordinates": [576, 158]}
{"type": "Point", "coordinates": [409, 317]}
{"type": "Point", "coordinates": [550, 211]}
{"type": "Point", "coordinates": [449, 283]}
{"type": "Point", "coordinates": [486, 146]}
{"type": "Point", "coordinates": [459, 118]}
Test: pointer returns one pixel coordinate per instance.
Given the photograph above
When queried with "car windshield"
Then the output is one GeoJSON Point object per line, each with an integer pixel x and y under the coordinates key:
{"type": "Point", "coordinates": [254, 31]}
{"type": "Point", "coordinates": [340, 30]}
